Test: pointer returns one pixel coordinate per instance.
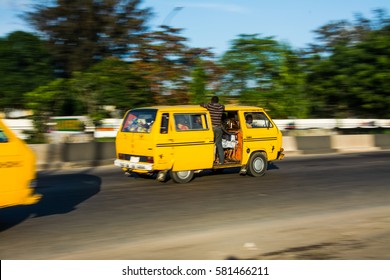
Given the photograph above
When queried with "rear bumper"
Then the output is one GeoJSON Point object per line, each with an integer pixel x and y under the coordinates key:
{"type": "Point", "coordinates": [133, 165]}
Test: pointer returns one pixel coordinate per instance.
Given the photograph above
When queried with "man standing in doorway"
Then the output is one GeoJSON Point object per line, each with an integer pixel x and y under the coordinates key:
{"type": "Point", "coordinates": [216, 111]}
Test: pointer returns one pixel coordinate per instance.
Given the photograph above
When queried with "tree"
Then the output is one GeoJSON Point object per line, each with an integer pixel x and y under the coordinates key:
{"type": "Point", "coordinates": [81, 33]}
{"type": "Point", "coordinates": [110, 82]}
{"type": "Point", "coordinates": [352, 79]}
{"type": "Point", "coordinates": [24, 65]}
{"type": "Point", "coordinates": [345, 33]}
{"type": "Point", "coordinates": [260, 71]}
{"type": "Point", "coordinates": [53, 99]}
{"type": "Point", "coordinates": [288, 97]}
{"type": "Point", "coordinates": [166, 62]}
{"type": "Point", "coordinates": [198, 84]}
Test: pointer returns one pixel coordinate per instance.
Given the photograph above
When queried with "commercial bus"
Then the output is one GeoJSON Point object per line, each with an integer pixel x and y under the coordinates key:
{"type": "Point", "coordinates": [179, 141]}
{"type": "Point", "coordinates": [17, 170]}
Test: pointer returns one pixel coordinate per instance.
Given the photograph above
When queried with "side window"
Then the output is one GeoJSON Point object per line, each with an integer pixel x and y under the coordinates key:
{"type": "Point", "coordinates": [164, 123]}
{"type": "Point", "coordinates": [198, 121]}
{"type": "Point", "coordinates": [257, 120]}
{"type": "Point", "coordinates": [195, 121]}
{"type": "Point", "coordinates": [3, 137]}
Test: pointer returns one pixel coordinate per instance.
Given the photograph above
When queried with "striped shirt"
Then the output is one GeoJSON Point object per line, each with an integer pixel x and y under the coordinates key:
{"type": "Point", "coordinates": [216, 111]}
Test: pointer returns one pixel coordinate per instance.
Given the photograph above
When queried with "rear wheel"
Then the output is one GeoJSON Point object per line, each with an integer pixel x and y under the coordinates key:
{"type": "Point", "coordinates": [182, 177]}
{"type": "Point", "coordinates": [257, 164]}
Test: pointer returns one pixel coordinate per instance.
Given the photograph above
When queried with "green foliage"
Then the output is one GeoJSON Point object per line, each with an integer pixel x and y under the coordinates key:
{"type": "Point", "coordinates": [198, 84]}
{"type": "Point", "coordinates": [110, 82]}
{"type": "Point", "coordinates": [265, 73]}
{"type": "Point", "coordinates": [353, 79]}
{"type": "Point", "coordinates": [106, 55]}
{"type": "Point", "coordinates": [53, 99]}
{"type": "Point", "coordinates": [24, 65]}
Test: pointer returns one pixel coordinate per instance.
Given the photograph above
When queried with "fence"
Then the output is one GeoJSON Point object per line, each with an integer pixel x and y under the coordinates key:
{"type": "Point", "coordinates": [109, 127]}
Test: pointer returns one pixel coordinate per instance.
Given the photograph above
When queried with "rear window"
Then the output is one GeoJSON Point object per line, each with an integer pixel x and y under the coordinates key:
{"type": "Point", "coordinates": [3, 137]}
{"type": "Point", "coordinates": [140, 120]}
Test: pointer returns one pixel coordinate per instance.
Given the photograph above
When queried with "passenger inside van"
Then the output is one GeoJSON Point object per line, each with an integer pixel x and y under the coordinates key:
{"type": "Point", "coordinates": [181, 123]}
{"type": "Point", "coordinates": [249, 120]}
{"type": "Point", "coordinates": [230, 130]}
{"type": "Point", "coordinates": [197, 123]}
{"type": "Point", "coordinates": [231, 122]}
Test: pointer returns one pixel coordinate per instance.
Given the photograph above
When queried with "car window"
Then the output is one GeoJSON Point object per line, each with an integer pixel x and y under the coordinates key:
{"type": "Point", "coordinates": [188, 122]}
{"type": "Point", "coordinates": [3, 137]}
{"type": "Point", "coordinates": [164, 123]}
{"type": "Point", "coordinates": [257, 120]}
{"type": "Point", "coordinates": [140, 120]}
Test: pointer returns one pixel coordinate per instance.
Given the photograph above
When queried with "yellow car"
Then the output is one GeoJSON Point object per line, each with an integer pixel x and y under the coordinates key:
{"type": "Point", "coordinates": [179, 140]}
{"type": "Point", "coordinates": [17, 170]}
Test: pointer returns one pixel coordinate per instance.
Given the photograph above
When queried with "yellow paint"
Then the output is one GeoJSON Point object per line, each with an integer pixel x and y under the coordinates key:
{"type": "Point", "coordinates": [187, 149]}
{"type": "Point", "coordinates": [17, 170]}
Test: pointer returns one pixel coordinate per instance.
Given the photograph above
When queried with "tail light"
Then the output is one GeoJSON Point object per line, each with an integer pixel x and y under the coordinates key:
{"type": "Point", "coordinates": [149, 160]}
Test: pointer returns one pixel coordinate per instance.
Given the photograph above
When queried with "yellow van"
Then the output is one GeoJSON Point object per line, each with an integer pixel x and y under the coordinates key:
{"type": "Point", "coordinates": [17, 170]}
{"type": "Point", "coordinates": [179, 140]}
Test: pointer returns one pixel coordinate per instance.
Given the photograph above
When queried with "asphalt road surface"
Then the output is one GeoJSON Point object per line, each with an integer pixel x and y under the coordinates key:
{"type": "Point", "coordinates": [307, 207]}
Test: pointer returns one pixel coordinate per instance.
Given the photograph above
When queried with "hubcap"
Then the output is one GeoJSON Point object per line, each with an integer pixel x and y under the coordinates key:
{"type": "Point", "coordinates": [258, 165]}
{"type": "Point", "coordinates": [183, 174]}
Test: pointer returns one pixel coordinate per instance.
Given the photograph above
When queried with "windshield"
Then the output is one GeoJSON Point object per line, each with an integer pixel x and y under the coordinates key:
{"type": "Point", "coordinates": [139, 120]}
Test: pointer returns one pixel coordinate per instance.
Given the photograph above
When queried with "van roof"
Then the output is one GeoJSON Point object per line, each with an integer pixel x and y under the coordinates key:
{"type": "Point", "coordinates": [228, 107]}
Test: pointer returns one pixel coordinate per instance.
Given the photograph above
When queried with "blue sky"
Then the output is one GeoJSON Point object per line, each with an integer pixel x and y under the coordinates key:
{"type": "Point", "coordinates": [214, 23]}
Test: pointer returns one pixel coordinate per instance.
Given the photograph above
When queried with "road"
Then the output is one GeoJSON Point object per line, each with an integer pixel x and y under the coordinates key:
{"type": "Point", "coordinates": [307, 207]}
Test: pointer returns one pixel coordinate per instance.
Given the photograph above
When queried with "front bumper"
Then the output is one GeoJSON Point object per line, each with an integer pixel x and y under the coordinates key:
{"type": "Point", "coordinates": [133, 165]}
{"type": "Point", "coordinates": [280, 154]}
{"type": "Point", "coordinates": [32, 199]}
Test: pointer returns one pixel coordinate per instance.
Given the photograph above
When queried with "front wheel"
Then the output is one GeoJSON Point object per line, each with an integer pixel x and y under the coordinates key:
{"type": "Point", "coordinates": [182, 177]}
{"type": "Point", "coordinates": [257, 164]}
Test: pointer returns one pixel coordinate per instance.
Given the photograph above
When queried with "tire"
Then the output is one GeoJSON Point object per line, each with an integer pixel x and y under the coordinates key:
{"type": "Point", "coordinates": [182, 177]}
{"type": "Point", "coordinates": [257, 164]}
